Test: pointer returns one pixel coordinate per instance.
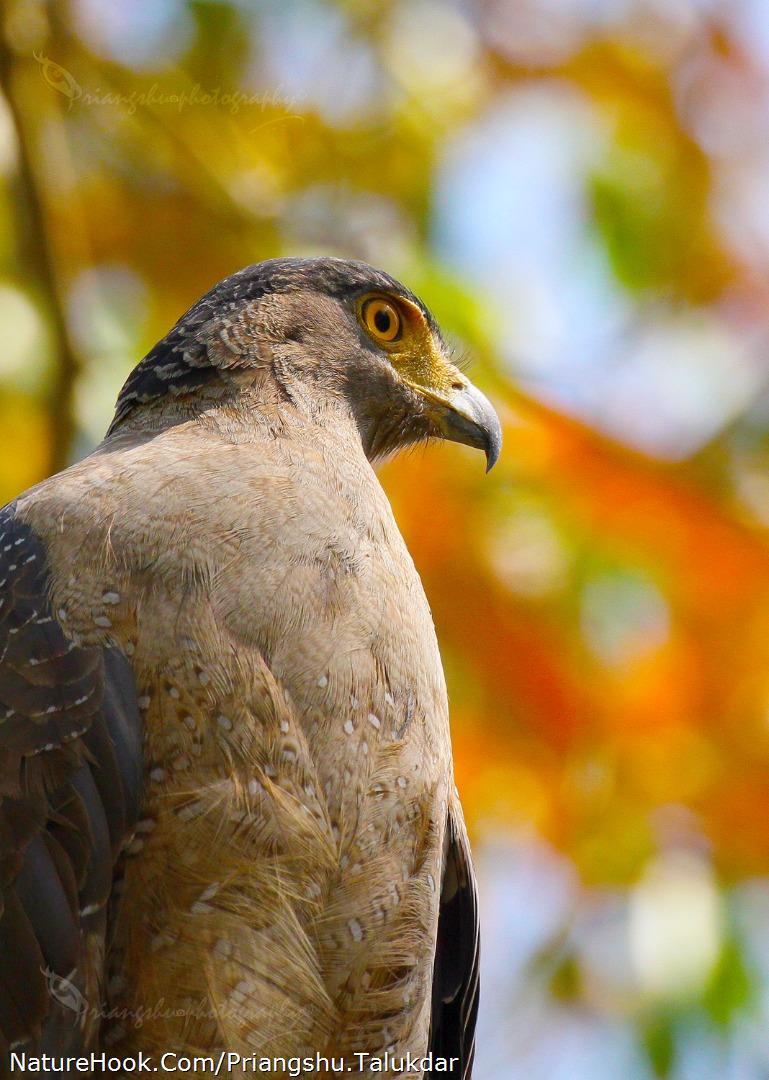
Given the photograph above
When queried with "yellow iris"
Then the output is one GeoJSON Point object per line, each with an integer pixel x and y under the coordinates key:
{"type": "Point", "coordinates": [382, 320]}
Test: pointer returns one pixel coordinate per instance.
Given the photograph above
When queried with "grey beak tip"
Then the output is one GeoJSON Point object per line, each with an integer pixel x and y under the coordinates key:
{"type": "Point", "coordinates": [493, 448]}
{"type": "Point", "coordinates": [470, 418]}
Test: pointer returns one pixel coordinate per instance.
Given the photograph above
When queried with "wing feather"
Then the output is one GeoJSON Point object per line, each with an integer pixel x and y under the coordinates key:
{"type": "Point", "coordinates": [70, 790]}
{"type": "Point", "coordinates": [456, 981]}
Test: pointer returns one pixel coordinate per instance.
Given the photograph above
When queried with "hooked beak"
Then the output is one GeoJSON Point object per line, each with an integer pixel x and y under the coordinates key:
{"type": "Point", "coordinates": [467, 416]}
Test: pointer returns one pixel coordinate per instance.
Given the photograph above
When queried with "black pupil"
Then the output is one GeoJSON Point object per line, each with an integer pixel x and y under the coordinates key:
{"type": "Point", "coordinates": [383, 320]}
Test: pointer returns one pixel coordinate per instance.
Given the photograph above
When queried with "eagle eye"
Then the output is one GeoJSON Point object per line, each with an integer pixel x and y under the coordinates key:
{"type": "Point", "coordinates": [381, 320]}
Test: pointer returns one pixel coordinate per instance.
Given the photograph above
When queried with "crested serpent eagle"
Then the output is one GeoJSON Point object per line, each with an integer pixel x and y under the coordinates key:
{"type": "Point", "coordinates": [228, 819]}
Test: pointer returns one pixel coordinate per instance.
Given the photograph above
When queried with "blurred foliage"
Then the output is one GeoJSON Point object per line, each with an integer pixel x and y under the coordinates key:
{"type": "Point", "coordinates": [602, 598]}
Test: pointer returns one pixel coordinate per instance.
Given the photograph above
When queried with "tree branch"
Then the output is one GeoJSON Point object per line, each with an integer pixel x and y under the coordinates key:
{"type": "Point", "coordinates": [35, 241]}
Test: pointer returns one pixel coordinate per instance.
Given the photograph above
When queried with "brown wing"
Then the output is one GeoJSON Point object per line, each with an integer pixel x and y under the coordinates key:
{"type": "Point", "coordinates": [457, 955]}
{"type": "Point", "coordinates": [70, 771]}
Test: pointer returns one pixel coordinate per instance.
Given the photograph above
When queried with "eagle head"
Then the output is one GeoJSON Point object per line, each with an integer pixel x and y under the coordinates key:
{"type": "Point", "coordinates": [328, 334]}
